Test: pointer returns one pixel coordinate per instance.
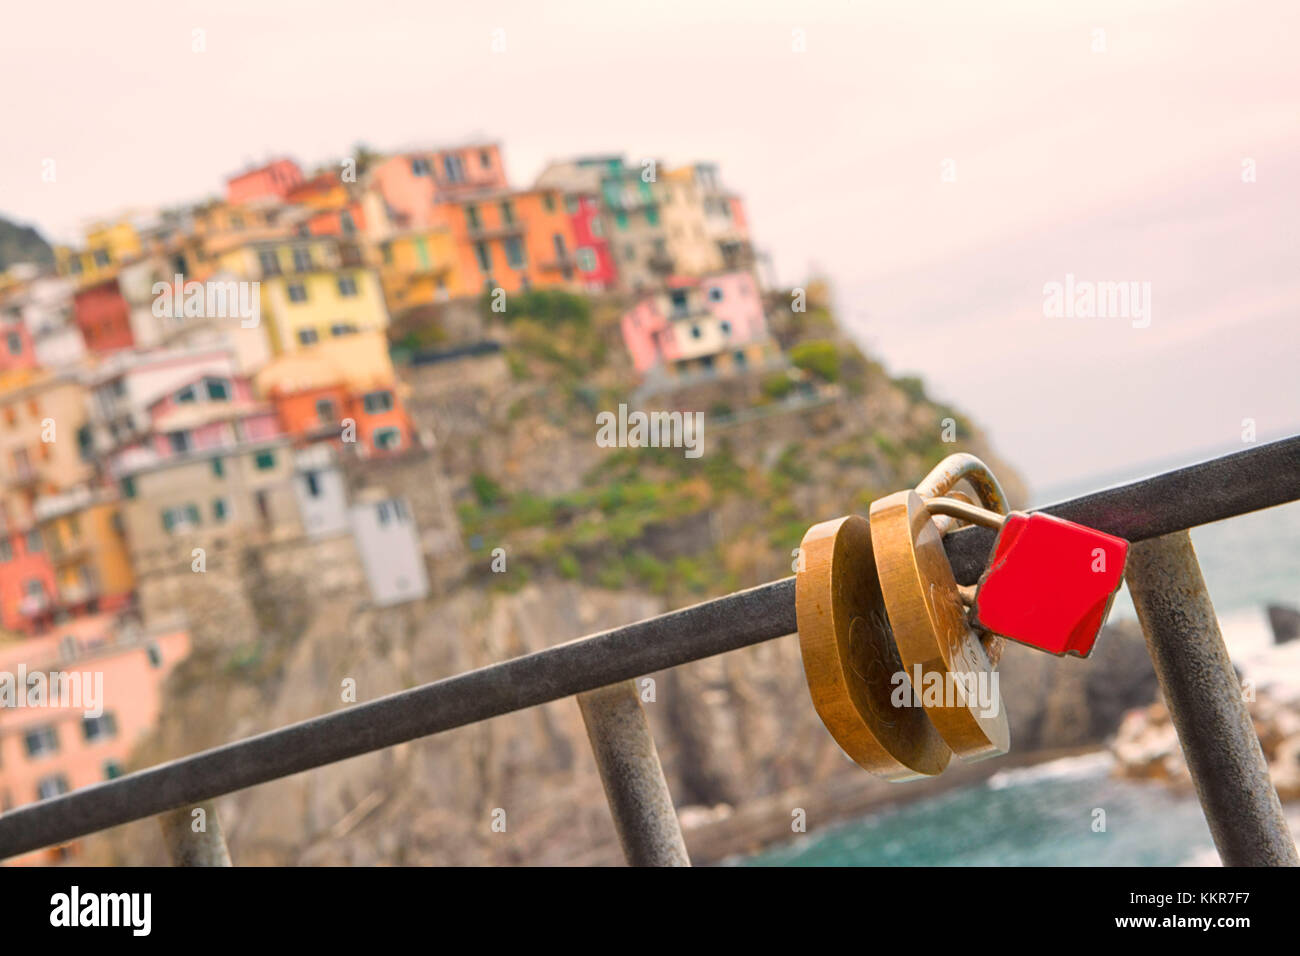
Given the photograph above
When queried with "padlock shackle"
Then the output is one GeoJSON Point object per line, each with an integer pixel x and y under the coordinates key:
{"type": "Point", "coordinates": [965, 511]}
{"type": "Point", "coordinates": [963, 466]}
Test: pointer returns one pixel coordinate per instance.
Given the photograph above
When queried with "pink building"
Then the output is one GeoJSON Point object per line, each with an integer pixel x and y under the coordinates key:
{"type": "Point", "coordinates": [707, 324]}
{"type": "Point", "coordinates": [410, 183]}
{"type": "Point", "coordinates": [110, 698]}
{"type": "Point", "coordinates": [272, 181]}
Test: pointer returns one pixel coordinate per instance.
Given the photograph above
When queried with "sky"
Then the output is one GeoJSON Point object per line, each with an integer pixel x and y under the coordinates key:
{"type": "Point", "coordinates": [940, 162]}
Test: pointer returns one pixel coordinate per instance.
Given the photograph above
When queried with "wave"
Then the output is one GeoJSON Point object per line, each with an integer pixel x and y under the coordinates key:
{"type": "Point", "coordinates": [1064, 768]}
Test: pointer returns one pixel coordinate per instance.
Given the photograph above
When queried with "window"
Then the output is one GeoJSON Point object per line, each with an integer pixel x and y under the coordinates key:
{"type": "Point", "coordinates": [515, 253]}
{"type": "Point", "coordinates": [265, 460]}
{"type": "Point", "coordinates": [679, 301]}
{"type": "Point", "coordinates": [725, 326]}
{"type": "Point", "coordinates": [34, 543]}
{"type": "Point", "coordinates": [420, 166]}
{"type": "Point", "coordinates": [218, 468]}
{"type": "Point", "coordinates": [112, 770]}
{"type": "Point", "coordinates": [101, 258]}
{"type": "Point", "coordinates": [651, 216]}
{"type": "Point", "coordinates": [454, 168]}
{"type": "Point", "coordinates": [343, 328]}
{"type": "Point", "coordinates": [620, 219]}
{"type": "Point", "coordinates": [192, 514]}
{"type": "Point", "coordinates": [387, 250]}
{"type": "Point", "coordinates": [297, 292]}
{"type": "Point", "coordinates": [347, 286]}
{"type": "Point", "coordinates": [560, 249]}
{"type": "Point", "coordinates": [218, 389]}
{"type": "Point", "coordinates": [572, 205]}
{"type": "Point", "coordinates": [507, 212]}
{"type": "Point", "coordinates": [325, 410]}
{"type": "Point", "coordinates": [52, 787]}
{"type": "Point", "coordinates": [186, 394]}
{"type": "Point", "coordinates": [219, 510]}
{"type": "Point", "coordinates": [154, 653]}
{"type": "Point", "coordinates": [586, 260]}
{"type": "Point", "coordinates": [695, 331]}
{"type": "Point", "coordinates": [484, 255]}
{"type": "Point", "coordinates": [41, 740]}
{"type": "Point", "coordinates": [597, 226]}
{"type": "Point", "coordinates": [715, 293]}
{"type": "Point", "coordinates": [472, 217]}
{"type": "Point", "coordinates": [15, 343]}
{"type": "Point", "coordinates": [388, 439]}
{"type": "Point", "coordinates": [236, 221]}
{"type": "Point", "coordinates": [6, 550]}
{"type": "Point", "coordinates": [308, 336]}
{"type": "Point", "coordinates": [179, 442]}
{"type": "Point", "coordinates": [313, 484]}
{"type": "Point", "coordinates": [346, 225]}
{"type": "Point", "coordinates": [375, 402]}
{"type": "Point", "coordinates": [302, 259]}
{"type": "Point", "coordinates": [740, 358]}
{"type": "Point", "coordinates": [128, 487]}
{"type": "Point", "coordinates": [548, 200]}
{"type": "Point", "coordinates": [102, 727]}
{"type": "Point", "coordinates": [485, 159]}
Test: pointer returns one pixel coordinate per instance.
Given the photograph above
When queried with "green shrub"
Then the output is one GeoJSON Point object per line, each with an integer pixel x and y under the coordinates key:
{"type": "Point", "coordinates": [819, 357]}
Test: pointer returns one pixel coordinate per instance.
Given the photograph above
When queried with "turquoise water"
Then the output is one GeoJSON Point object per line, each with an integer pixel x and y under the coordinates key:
{"type": "Point", "coordinates": [1044, 815]}
{"type": "Point", "coordinates": [1039, 816]}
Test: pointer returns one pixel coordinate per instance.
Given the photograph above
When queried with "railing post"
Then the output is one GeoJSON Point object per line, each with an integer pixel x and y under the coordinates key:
{"type": "Point", "coordinates": [1205, 703]}
{"type": "Point", "coordinates": [634, 782]}
{"type": "Point", "coordinates": [188, 847]}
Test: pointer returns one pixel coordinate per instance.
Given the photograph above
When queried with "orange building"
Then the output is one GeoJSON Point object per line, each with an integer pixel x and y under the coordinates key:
{"type": "Point", "coordinates": [273, 180]}
{"type": "Point", "coordinates": [342, 389]}
{"type": "Point", "coordinates": [512, 239]}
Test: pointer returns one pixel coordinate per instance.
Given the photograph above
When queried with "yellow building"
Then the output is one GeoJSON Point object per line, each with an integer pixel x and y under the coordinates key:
{"type": "Point", "coordinates": [312, 289]}
{"type": "Point", "coordinates": [419, 268]}
{"type": "Point", "coordinates": [108, 245]}
{"type": "Point", "coordinates": [686, 228]}
{"type": "Point", "coordinates": [83, 537]}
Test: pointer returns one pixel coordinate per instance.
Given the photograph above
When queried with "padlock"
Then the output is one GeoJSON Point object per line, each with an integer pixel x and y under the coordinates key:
{"type": "Point", "coordinates": [951, 673]}
{"type": "Point", "coordinates": [850, 658]}
{"type": "Point", "coordinates": [1050, 583]}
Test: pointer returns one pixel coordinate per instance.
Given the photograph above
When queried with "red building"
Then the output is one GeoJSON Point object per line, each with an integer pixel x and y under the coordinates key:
{"type": "Point", "coordinates": [16, 348]}
{"type": "Point", "coordinates": [27, 583]}
{"type": "Point", "coordinates": [274, 180]}
{"type": "Point", "coordinates": [104, 317]}
{"type": "Point", "coordinates": [595, 260]}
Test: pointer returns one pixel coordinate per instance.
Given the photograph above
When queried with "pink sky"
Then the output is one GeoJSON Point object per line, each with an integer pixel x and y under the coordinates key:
{"type": "Point", "coordinates": [1113, 166]}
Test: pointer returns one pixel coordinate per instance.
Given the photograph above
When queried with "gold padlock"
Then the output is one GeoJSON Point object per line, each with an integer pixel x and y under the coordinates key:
{"type": "Point", "coordinates": [850, 658]}
{"type": "Point", "coordinates": [950, 667]}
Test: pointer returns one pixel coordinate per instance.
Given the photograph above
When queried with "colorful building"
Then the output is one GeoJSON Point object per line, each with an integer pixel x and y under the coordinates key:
{"type": "Point", "coordinates": [420, 268]}
{"type": "Point", "coordinates": [312, 289]}
{"type": "Point", "coordinates": [411, 182]}
{"type": "Point", "coordinates": [274, 180]}
{"type": "Point", "coordinates": [82, 536]}
{"type": "Point", "coordinates": [103, 316]}
{"type": "Point", "coordinates": [713, 324]}
{"type": "Point", "coordinates": [86, 736]}
{"type": "Point", "coordinates": [344, 390]}
{"type": "Point", "coordinates": [44, 305]}
{"type": "Point", "coordinates": [515, 240]}
{"type": "Point", "coordinates": [28, 589]}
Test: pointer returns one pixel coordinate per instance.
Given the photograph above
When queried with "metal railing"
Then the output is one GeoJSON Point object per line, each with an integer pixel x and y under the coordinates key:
{"type": "Point", "coordinates": [1200, 688]}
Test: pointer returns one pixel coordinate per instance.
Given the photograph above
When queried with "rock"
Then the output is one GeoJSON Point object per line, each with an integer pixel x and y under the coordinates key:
{"type": "Point", "coordinates": [1285, 622]}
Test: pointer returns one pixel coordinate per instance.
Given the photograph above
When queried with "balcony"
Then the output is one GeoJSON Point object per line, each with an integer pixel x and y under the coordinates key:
{"type": "Point", "coordinates": [482, 231]}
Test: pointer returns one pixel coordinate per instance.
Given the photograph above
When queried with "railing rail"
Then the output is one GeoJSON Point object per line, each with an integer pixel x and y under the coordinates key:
{"type": "Point", "coordinates": [1258, 477]}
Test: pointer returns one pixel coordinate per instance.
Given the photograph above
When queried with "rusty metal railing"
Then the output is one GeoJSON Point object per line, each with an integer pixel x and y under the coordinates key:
{"type": "Point", "coordinates": [1205, 702]}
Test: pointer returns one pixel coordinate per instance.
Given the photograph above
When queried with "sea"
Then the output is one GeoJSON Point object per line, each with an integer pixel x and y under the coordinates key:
{"type": "Point", "coordinates": [1046, 814]}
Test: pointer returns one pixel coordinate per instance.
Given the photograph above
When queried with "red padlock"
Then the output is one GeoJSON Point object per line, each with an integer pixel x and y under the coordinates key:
{"type": "Point", "coordinates": [1050, 583]}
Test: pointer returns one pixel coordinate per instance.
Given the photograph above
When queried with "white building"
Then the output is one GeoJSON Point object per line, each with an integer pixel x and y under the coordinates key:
{"type": "Point", "coordinates": [389, 544]}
